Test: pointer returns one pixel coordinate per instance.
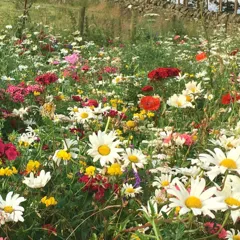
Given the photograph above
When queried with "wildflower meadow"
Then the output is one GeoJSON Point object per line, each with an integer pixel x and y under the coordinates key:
{"type": "Point", "coordinates": [123, 140]}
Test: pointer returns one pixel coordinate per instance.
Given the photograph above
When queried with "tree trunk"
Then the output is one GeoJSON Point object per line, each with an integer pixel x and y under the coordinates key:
{"type": "Point", "coordinates": [220, 6]}
{"type": "Point", "coordinates": [235, 7]}
{"type": "Point", "coordinates": [82, 19]}
{"type": "Point", "coordinates": [133, 25]}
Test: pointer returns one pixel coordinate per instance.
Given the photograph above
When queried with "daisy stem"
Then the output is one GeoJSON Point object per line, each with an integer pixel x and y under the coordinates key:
{"type": "Point", "coordinates": [107, 125]}
{"type": "Point", "coordinates": [156, 231]}
{"type": "Point", "coordinates": [225, 178]}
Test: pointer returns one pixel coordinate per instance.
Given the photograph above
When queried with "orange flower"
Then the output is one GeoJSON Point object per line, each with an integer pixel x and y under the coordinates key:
{"type": "Point", "coordinates": [149, 103]}
{"type": "Point", "coordinates": [201, 56]}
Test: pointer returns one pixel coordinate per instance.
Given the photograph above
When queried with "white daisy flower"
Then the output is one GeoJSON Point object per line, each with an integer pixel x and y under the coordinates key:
{"type": "Point", "coordinates": [67, 153]}
{"type": "Point", "coordinates": [12, 208]}
{"type": "Point", "coordinates": [160, 196]}
{"type": "Point", "coordinates": [223, 162]}
{"type": "Point", "coordinates": [193, 87]}
{"type": "Point", "coordinates": [20, 112]}
{"type": "Point", "coordinates": [152, 209]}
{"type": "Point", "coordinates": [227, 142]}
{"type": "Point", "coordinates": [163, 181]}
{"type": "Point", "coordinates": [38, 182]}
{"type": "Point", "coordinates": [231, 197]}
{"type": "Point", "coordinates": [83, 115]}
{"type": "Point", "coordinates": [179, 101]}
{"type": "Point", "coordinates": [197, 200]}
{"type": "Point", "coordinates": [104, 147]}
{"type": "Point", "coordinates": [233, 235]}
{"type": "Point", "coordinates": [130, 191]}
{"type": "Point", "coordinates": [192, 171]}
{"type": "Point", "coordinates": [134, 157]}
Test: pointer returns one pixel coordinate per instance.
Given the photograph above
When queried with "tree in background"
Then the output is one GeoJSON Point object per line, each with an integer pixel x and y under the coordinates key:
{"type": "Point", "coordinates": [26, 6]}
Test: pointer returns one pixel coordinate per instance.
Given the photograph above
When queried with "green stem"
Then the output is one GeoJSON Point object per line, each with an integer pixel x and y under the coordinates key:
{"type": "Point", "coordinates": [108, 122]}
{"type": "Point", "coordinates": [220, 229]}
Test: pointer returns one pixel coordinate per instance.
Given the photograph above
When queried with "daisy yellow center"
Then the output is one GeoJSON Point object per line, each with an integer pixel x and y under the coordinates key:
{"type": "Point", "coordinates": [133, 158]}
{"type": "Point", "coordinates": [228, 163]}
{"type": "Point", "coordinates": [232, 201]}
{"type": "Point", "coordinates": [193, 202]}
{"type": "Point", "coordinates": [104, 150]}
{"type": "Point", "coordinates": [62, 154]}
{"type": "Point", "coordinates": [8, 209]}
{"type": "Point", "coordinates": [130, 190]}
{"type": "Point", "coordinates": [229, 145]}
{"type": "Point", "coordinates": [165, 183]}
{"type": "Point", "coordinates": [179, 104]}
{"type": "Point", "coordinates": [236, 237]}
{"type": "Point", "coordinates": [84, 115]}
{"type": "Point", "coordinates": [193, 89]}
{"type": "Point", "coordinates": [188, 98]}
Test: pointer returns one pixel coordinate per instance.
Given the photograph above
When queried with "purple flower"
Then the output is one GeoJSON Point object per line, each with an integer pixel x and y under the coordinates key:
{"type": "Point", "coordinates": [137, 179]}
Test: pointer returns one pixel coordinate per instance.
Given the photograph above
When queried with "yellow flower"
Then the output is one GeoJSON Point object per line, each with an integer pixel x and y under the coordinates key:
{"type": "Point", "coordinates": [32, 166]}
{"type": "Point", "coordinates": [150, 114]}
{"type": "Point", "coordinates": [64, 155]}
{"type": "Point", "coordinates": [48, 109]}
{"type": "Point", "coordinates": [119, 132]}
{"type": "Point", "coordinates": [8, 171]}
{"type": "Point", "coordinates": [90, 171]}
{"type": "Point", "coordinates": [49, 201]}
{"type": "Point", "coordinates": [2, 171]}
{"type": "Point", "coordinates": [24, 144]}
{"type": "Point", "coordinates": [114, 169]}
{"type": "Point", "coordinates": [35, 93]}
{"type": "Point", "coordinates": [130, 124]}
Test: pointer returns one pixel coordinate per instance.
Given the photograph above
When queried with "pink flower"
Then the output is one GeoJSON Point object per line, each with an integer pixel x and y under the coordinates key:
{"type": "Point", "coordinates": [176, 37]}
{"type": "Point", "coordinates": [212, 228]}
{"type": "Point", "coordinates": [72, 59]}
{"type": "Point", "coordinates": [90, 103]}
{"type": "Point", "coordinates": [188, 139]}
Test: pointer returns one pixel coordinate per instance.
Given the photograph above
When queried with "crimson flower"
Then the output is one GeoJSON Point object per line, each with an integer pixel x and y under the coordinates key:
{"type": "Point", "coordinates": [147, 88]}
{"type": "Point", "coordinates": [162, 73]}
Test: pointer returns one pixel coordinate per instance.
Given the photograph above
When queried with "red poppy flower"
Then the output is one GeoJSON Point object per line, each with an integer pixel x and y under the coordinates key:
{"type": "Point", "coordinates": [150, 103]}
{"type": "Point", "coordinates": [228, 98]}
{"type": "Point", "coordinates": [201, 56]}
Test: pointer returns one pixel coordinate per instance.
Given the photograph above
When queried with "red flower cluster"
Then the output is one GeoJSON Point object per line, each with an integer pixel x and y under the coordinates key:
{"type": "Point", "coordinates": [228, 98]}
{"type": "Point", "coordinates": [161, 73]}
{"type": "Point", "coordinates": [46, 78]}
{"type": "Point", "coordinates": [98, 185]}
{"type": "Point", "coordinates": [8, 151]}
{"type": "Point", "coordinates": [20, 91]}
{"type": "Point", "coordinates": [149, 103]}
{"type": "Point", "coordinates": [213, 228]}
